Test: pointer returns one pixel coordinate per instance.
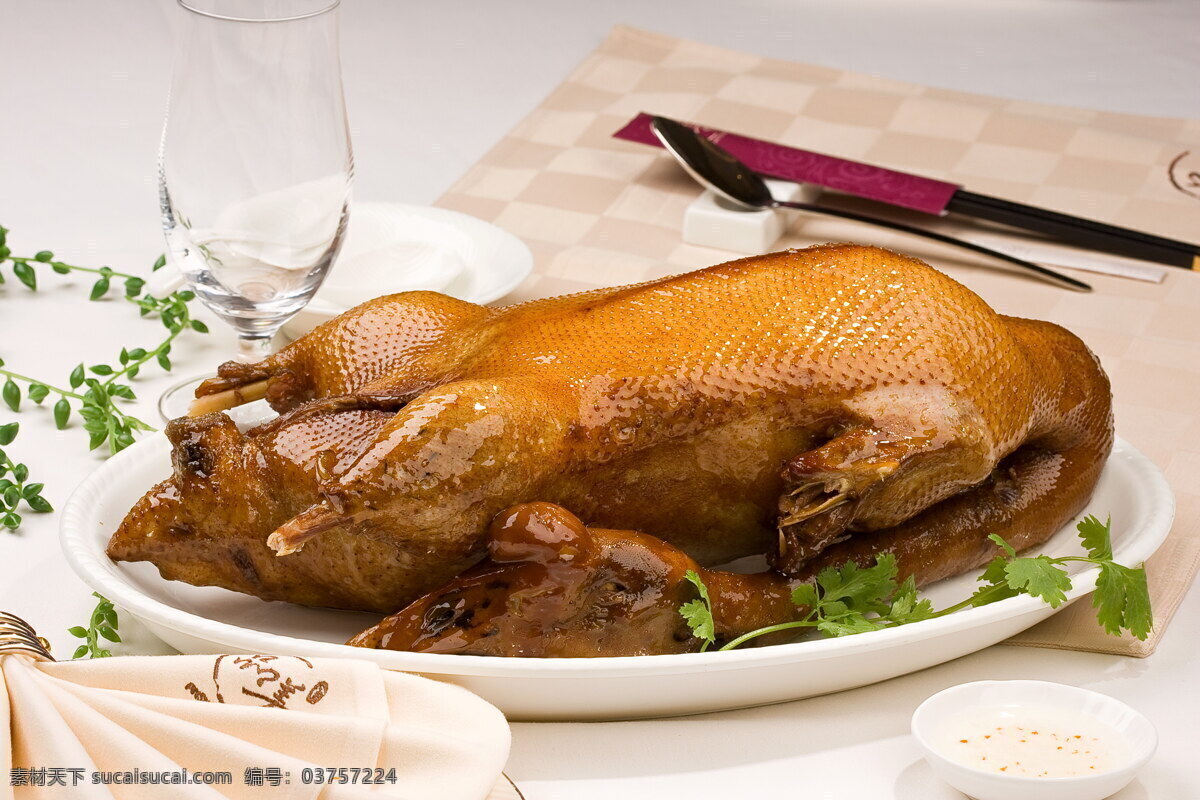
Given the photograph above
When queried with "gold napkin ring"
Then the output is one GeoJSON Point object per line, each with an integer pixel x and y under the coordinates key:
{"type": "Point", "coordinates": [18, 636]}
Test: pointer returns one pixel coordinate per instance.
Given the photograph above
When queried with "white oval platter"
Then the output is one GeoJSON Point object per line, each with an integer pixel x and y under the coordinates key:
{"type": "Point", "coordinates": [211, 620]}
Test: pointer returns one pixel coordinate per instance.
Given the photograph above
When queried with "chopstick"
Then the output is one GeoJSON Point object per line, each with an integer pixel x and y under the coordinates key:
{"type": "Point", "coordinates": [931, 196]}
{"type": "Point", "coordinates": [1077, 230]}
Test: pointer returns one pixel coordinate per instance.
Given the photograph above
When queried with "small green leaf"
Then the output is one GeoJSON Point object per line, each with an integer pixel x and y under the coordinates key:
{"type": "Point", "coordinates": [43, 255]}
{"type": "Point", "coordinates": [79, 632]}
{"type": "Point", "coordinates": [80, 651]}
{"type": "Point", "coordinates": [1122, 600]}
{"type": "Point", "coordinates": [11, 520]}
{"type": "Point", "coordinates": [906, 606]}
{"type": "Point", "coordinates": [11, 394]}
{"type": "Point", "coordinates": [20, 473]}
{"type": "Point", "coordinates": [805, 596]}
{"type": "Point", "coordinates": [993, 573]}
{"type": "Point", "coordinates": [164, 362]}
{"type": "Point", "coordinates": [102, 369]}
{"type": "Point", "coordinates": [109, 633]}
{"type": "Point", "coordinates": [9, 432]}
{"type": "Point", "coordinates": [1040, 577]}
{"type": "Point", "coordinates": [863, 589]}
{"type": "Point", "coordinates": [97, 438]}
{"type": "Point", "coordinates": [99, 289]}
{"type": "Point", "coordinates": [698, 613]}
{"type": "Point", "coordinates": [38, 392]}
{"type": "Point", "coordinates": [39, 504]}
{"type": "Point", "coordinates": [25, 274]}
{"type": "Point", "coordinates": [1096, 537]}
{"type": "Point", "coordinates": [62, 412]}
{"type": "Point", "coordinates": [60, 268]}
{"type": "Point", "coordinates": [159, 263]}
{"type": "Point", "coordinates": [77, 377]}
{"type": "Point", "coordinates": [852, 624]}
{"type": "Point", "coordinates": [134, 286]}
{"type": "Point", "coordinates": [1003, 545]}
{"type": "Point", "coordinates": [199, 326]}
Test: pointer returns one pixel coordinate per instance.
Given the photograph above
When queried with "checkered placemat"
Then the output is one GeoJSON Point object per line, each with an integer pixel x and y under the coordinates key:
{"type": "Point", "coordinates": [601, 212]}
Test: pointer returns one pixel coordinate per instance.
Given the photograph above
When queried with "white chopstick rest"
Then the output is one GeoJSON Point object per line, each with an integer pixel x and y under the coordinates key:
{"type": "Point", "coordinates": [711, 222]}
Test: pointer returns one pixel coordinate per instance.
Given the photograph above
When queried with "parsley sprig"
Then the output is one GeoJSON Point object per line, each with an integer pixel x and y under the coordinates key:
{"type": "Point", "coordinates": [851, 599]}
{"type": "Point", "coordinates": [15, 487]}
{"type": "Point", "coordinates": [96, 391]}
{"type": "Point", "coordinates": [698, 612]}
{"type": "Point", "coordinates": [102, 625]}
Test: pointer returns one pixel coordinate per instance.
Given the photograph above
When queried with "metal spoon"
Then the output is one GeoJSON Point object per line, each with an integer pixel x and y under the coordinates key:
{"type": "Point", "coordinates": [716, 168]}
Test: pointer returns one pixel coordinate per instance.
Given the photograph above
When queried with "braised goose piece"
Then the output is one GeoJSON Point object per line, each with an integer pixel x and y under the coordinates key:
{"type": "Point", "coordinates": [551, 587]}
{"type": "Point", "coordinates": [780, 404]}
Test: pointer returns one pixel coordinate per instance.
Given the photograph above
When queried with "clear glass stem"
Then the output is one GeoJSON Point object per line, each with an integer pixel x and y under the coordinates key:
{"type": "Point", "coordinates": [252, 349]}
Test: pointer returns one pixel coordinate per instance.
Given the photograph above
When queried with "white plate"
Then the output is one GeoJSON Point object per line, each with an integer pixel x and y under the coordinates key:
{"type": "Point", "coordinates": [393, 247]}
{"type": "Point", "coordinates": [211, 620]}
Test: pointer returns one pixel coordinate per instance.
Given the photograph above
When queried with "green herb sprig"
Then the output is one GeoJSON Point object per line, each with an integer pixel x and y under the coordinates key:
{"type": "Point", "coordinates": [698, 612]}
{"type": "Point", "coordinates": [96, 390]}
{"type": "Point", "coordinates": [102, 625]}
{"type": "Point", "coordinates": [850, 599]}
{"type": "Point", "coordinates": [15, 487]}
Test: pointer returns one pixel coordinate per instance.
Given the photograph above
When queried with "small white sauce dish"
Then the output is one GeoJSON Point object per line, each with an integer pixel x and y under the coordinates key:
{"type": "Point", "coordinates": [962, 708]}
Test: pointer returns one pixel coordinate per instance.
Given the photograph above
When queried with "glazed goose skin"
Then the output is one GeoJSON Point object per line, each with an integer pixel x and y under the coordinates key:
{"type": "Point", "coordinates": [783, 404]}
{"type": "Point", "coordinates": [552, 587]}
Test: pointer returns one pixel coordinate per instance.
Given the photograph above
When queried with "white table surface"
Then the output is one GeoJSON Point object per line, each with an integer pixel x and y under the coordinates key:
{"type": "Point", "coordinates": [430, 87]}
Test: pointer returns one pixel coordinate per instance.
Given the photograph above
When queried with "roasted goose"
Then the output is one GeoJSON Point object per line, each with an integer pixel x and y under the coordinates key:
{"type": "Point", "coordinates": [550, 587]}
{"type": "Point", "coordinates": [779, 404]}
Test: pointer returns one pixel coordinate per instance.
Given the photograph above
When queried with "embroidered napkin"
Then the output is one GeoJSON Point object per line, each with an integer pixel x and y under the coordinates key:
{"type": "Point", "coordinates": [600, 212]}
{"type": "Point", "coordinates": [82, 728]}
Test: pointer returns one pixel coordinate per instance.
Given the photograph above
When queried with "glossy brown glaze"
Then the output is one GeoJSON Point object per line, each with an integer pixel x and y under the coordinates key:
{"type": "Point", "coordinates": [551, 587]}
{"type": "Point", "coordinates": [782, 403]}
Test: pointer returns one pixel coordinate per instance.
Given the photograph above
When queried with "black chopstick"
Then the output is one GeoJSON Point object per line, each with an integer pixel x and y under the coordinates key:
{"type": "Point", "coordinates": [1078, 231]}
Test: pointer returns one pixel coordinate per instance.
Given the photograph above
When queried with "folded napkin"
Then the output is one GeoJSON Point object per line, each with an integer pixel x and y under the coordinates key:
{"type": "Point", "coordinates": [267, 721]}
{"type": "Point", "coordinates": [597, 211]}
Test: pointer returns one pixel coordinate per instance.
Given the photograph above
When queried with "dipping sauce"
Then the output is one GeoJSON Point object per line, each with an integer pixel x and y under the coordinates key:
{"type": "Point", "coordinates": [1033, 741]}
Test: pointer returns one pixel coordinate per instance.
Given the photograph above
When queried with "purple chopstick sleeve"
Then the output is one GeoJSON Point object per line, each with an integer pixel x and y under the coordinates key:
{"type": "Point", "coordinates": [803, 166]}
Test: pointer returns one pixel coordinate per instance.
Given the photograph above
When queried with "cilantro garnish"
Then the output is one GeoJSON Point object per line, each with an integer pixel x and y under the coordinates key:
{"type": "Point", "coordinates": [851, 599]}
{"type": "Point", "coordinates": [698, 613]}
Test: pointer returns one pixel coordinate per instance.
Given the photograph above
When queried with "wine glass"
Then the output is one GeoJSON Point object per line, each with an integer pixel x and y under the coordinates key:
{"type": "Point", "coordinates": [255, 165]}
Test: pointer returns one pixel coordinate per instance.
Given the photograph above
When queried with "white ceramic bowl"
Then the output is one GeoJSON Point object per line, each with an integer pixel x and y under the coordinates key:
{"type": "Point", "coordinates": [934, 713]}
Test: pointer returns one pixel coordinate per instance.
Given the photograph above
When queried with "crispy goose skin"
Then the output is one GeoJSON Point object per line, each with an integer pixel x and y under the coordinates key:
{"type": "Point", "coordinates": [551, 587]}
{"type": "Point", "coordinates": [781, 403]}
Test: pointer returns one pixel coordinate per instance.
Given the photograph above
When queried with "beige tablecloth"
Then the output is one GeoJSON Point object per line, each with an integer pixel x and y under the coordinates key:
{"type": "Point", "coordinates": [601, 212]}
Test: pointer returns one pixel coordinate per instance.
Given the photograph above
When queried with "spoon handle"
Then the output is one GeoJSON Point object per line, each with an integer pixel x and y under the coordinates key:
{"type": "Point", "coordinates": [1045, 274]}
